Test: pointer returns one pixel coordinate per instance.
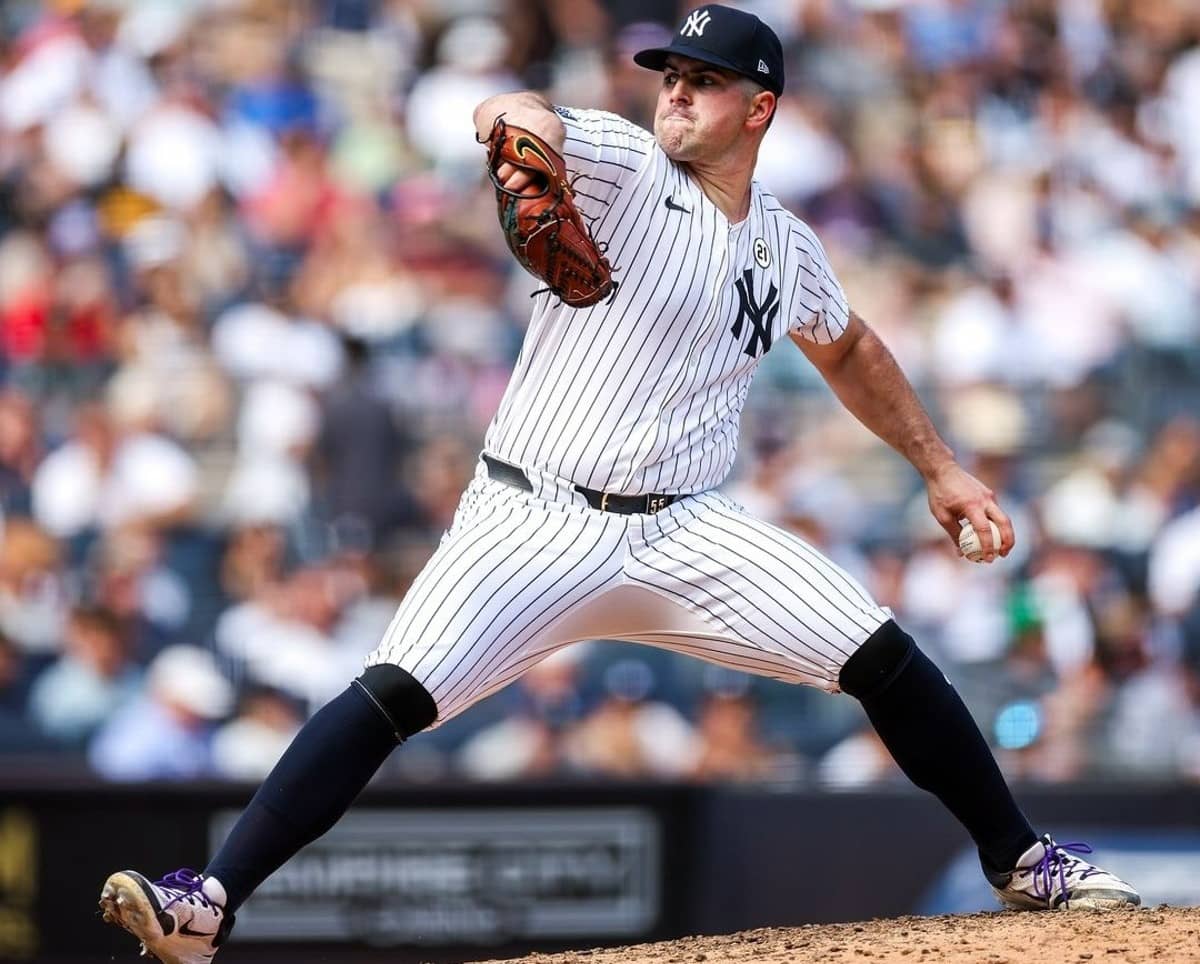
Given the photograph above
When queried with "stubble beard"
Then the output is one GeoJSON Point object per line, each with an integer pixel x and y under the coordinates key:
{"type": "Point", "coordinates": [675, 139]}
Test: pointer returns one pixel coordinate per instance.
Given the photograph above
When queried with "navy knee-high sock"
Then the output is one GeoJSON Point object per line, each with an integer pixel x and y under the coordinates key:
{"type": "Point", "coordinates": [327, 765]}
{"type": "Point", "coordinates": [933, 737]}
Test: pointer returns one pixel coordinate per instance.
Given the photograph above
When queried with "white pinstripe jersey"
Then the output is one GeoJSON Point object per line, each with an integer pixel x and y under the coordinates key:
{"type": "Point", "coordinates": [644, 393]}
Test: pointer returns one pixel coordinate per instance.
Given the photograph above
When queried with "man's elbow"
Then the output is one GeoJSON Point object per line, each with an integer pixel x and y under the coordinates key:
{"type": "Point", "coordinates": [833, 358]}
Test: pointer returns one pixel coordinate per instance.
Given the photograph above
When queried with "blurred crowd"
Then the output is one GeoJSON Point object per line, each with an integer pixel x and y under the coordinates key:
{"type": "Point", "coordinates": [255, 314]}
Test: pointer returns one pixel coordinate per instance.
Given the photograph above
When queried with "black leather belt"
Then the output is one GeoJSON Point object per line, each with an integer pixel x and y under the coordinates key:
{"type": "Point", "coordinates": [604, 501]}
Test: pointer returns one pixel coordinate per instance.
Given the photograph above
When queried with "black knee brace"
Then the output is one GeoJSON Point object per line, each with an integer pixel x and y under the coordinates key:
{"type": "Point", "coordinates": [877, 662]}
{"type": "Point", "coordinates": [404, 702]}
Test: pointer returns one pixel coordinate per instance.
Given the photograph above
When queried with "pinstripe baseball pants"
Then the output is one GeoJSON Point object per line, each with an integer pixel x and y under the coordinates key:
{"type": "Point", "coordinates": [519, 575]}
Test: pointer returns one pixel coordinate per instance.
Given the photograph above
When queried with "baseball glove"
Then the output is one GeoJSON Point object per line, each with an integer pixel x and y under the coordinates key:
{"type": "Point", "coordinates": [544, 229]}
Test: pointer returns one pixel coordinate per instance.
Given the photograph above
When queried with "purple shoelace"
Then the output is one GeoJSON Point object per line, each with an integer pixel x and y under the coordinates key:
{"type": "Point", "coordinates": [1058, 858]}
{"type": "Point", "coordinates": [187, 882]}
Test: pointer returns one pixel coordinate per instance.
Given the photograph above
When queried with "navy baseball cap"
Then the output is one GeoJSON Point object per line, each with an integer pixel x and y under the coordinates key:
{"type": "Point", "coordinates": [724, 37]}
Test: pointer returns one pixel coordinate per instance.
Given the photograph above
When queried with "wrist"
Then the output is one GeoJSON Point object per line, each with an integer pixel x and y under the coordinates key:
{"type": "Point", "coordinates": [936, 462]}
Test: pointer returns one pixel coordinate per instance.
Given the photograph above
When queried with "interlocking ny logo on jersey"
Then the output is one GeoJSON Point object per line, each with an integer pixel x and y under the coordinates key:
{"type": "Point", "coordinates": [696, 22]}
{"type": "Point", "coordinates": [761, 316]}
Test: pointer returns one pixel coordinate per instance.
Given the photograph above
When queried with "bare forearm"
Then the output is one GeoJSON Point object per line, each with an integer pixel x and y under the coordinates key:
{"type": "Point", "coordinates": [871, 385]}
{"type": "Point", "coordinates": [524, 109]}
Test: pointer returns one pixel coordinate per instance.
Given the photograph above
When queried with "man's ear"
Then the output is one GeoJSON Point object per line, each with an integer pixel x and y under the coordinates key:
{"type": "Point", "coordinates": [762, 108]}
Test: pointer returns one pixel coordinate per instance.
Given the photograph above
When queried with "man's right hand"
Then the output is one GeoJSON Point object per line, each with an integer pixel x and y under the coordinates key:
{"type": "Point", "coordinates": [956, 494]}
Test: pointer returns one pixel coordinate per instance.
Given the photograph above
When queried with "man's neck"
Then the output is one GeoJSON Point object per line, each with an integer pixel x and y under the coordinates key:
{"type": "Point", "coordinates": [727, 186]}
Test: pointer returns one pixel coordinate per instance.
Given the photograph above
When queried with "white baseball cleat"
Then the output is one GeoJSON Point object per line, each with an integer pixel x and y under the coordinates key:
{"type": "Point", "coordinates": [1050, 877]}
{"type": "Point", "coordinates": [180, 919]}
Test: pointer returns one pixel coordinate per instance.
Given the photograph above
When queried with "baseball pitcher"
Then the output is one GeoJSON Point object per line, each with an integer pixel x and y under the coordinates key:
{"type": "Point", "coordinates": [595, 509]}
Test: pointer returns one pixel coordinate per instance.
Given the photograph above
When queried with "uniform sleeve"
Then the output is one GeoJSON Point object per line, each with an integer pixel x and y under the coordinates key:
{"type": "Point", "coordinates": [820, 312]}
{"type": "Point", "coordinates": [604, 150]}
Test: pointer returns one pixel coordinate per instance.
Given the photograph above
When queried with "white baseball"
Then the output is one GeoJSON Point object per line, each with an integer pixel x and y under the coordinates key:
{"type": "Point", "coordinates": [970, 544]}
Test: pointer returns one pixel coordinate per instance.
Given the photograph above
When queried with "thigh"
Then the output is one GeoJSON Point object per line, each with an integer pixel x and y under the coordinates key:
{"type": "Point", "coordinates": [486, 606]}
{"type": "Point", "coordinates": [771, 597]}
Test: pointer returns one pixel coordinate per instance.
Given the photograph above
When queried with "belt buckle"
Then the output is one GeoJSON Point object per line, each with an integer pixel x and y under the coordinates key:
{"type": "Point", "coordinates": [603, 501]}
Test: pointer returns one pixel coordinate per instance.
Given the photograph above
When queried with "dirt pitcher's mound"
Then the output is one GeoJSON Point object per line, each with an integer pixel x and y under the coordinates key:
{"type": "Point", "coordinates": [1160, 934]}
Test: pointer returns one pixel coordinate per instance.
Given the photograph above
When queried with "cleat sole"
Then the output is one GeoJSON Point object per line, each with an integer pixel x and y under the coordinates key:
{"type": "Point", "coordinates": [124, 903]}
{"type": "Point", "coordinates": [1101, 901]}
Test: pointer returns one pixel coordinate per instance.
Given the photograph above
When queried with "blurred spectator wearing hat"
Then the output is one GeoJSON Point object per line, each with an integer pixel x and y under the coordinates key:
{"type": "Point", "coordinates": [628, 734]}
{"type": "Point", "coordinates": [731, 746]}
{"type": "Point", "coordinates": [167, 733]}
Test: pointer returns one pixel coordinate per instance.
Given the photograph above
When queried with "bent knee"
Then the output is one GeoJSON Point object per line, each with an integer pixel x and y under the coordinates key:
{"type": "Point", "coordinates": [877, 662]}
{"type": "Point", "coordinates": [404, 702]}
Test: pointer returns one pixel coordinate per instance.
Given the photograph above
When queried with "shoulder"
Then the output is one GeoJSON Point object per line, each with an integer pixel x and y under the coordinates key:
{"type": "Point", "coordinates": [800, 237]}
{"type": "Point", "coordinates": [795, 236]}
{"type": "Point", "coordinates": [790, 225]}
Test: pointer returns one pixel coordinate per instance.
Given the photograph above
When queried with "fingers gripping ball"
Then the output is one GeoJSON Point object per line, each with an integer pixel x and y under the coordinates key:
{"type": "Point", "coordinates": [544, 228]}
{"type": "Point", "coordinates": [970, 543]}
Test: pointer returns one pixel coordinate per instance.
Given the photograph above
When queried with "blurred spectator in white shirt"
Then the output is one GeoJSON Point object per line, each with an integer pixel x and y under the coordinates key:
{"type": "Point", "coordinates": [284, 637]}
{"type": "Point", "coordinates": [860, 760]}
{"type": "Point", "coordinates": [528, 742]}
{"type": "Point", "coordinates": [103, 477]}
{"type": "Point", "coordinates": [250, 744]}
{"type": "Point", "coordinates": [1175, 565]}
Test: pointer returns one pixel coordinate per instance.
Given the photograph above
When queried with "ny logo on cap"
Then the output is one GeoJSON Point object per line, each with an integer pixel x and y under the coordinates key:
{"type": "Point", "coordinates": [696, 22]}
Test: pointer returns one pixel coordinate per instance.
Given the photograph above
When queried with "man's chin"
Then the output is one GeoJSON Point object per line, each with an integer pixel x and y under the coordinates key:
{"type": "Point", "coordinates": [674, 147]}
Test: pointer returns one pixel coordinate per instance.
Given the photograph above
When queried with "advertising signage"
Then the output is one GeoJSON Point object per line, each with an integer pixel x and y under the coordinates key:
{"type": "Point", "coordinates": [478, 875]}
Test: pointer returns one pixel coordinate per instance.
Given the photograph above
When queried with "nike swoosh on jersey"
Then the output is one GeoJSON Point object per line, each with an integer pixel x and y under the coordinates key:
{"type": "Point", "coordinates": [671, 205]}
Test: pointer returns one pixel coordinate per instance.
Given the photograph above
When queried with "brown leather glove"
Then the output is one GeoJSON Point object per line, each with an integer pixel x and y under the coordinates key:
{"type": "Point", "coordinates": [544, 228]}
